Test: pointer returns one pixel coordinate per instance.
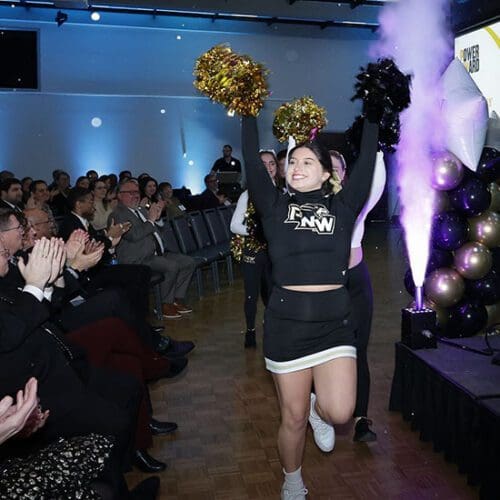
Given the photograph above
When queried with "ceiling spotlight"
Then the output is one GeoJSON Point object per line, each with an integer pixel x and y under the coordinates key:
{"type": "Point", "coordinates": [61, 18]}
{"type": "Point", "coordinates": [95, 16]}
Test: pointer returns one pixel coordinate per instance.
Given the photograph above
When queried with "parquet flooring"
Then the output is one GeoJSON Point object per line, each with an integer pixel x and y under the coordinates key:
{"type": "Point", "coordinates": [225, 405]}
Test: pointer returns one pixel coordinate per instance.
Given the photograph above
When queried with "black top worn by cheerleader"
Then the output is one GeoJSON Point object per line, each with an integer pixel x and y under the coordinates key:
{"type": "Point", "coordinates": [309, 234]}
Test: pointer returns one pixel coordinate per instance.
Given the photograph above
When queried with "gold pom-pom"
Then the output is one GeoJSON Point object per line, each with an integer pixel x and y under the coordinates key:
{"type": "Point", "coordinates": [301, 118]}
{"type": "Point", "coordinates": [234, 80]}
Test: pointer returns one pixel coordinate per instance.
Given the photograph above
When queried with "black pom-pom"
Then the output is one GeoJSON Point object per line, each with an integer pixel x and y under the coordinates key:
{"type": "Point", "coordinates": [385, 92]}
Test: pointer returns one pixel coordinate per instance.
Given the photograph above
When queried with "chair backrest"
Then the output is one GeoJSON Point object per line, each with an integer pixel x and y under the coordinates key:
{"type": "Point", "coordinates": [225, 214]}
{"type": "Point", "coordinates": [169, 238]}
{"type": "Point", "coordinates": [200, 230]}
{"type": "Point", "coordinates": [184, 235]}
{"type": "Point", "coordinates": [215, 225]}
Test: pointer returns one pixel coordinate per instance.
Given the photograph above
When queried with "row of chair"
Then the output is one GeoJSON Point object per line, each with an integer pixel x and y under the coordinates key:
{"type": "Point", "coordinates": [205, 236]}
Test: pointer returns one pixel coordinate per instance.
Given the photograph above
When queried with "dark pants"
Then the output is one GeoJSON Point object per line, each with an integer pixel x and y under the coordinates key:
{"type": "Point", "coordinates": [110, 343]}
{"type": "Point", "coordinates": [256, 271]}
{"type": "Point", "coordinates": [361, 294]}
{"type": "Point", "coordinates": [109, 303]}
{"type": "Point", "coordinates": [134, 280]}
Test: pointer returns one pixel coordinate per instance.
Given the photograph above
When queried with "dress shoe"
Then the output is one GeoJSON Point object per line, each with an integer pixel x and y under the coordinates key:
{"type": "Point", "coordinates": [161, 428]}
{"type": "Point", "coordinates": [177, 348]}
{"type": "Point", "coordinates": [176, 366]}
{"type": "Point", "coordinates": [170, 311]}
{"type": "Point", "coordinates": [145, 462]}
{"type": "Point", "coordinates": [362, 431]}
{"type": "Point", "coordinates": [146, 490]}
{"type": "Point", "coordinates": [182, 308]}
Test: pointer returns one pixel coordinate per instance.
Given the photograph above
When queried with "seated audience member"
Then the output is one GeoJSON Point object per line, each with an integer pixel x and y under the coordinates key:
{"type": "Point", "coordinates": [59, 195]}
{"type": "Point", "coordinates": [81, 398]}
{"type": "Point", "coordinates": [102, 208]}
{"type": "Point", "coordinates": [11, 194]}
{"type": "Point", "coordinates": [113, 181]}
{"type": "Point", "coordinates": [149, 191]}
{"type": "Point", "coordinates": [53, 184]}
{"type": "Point", "coordinates": [95, 303]}
{"type": "Point", "coordinates": [210, 198]}
{"type": "Point", "coordinates": [25, 186]}
{"type": "Point", "coordinates": [92, 175]}
{"type": "Point", "coordinates": [227, 163]}
{"type": "Point", "coordinates": [111, 343]}
{"type": "Point", "coordinates": [281, 173]}
{"type": "Point", "coordinates": [6, 174]}
{"type": "Point", "coordinates": [173, 207]}
{"type": "Point", "coordinates": [143, 244]}
{"type": "Point", "coordinates": [82, 464]}
{"type": "Point", "coordinates": [124, 174]}
{"type": "Point", "coordinates": [82, 182]}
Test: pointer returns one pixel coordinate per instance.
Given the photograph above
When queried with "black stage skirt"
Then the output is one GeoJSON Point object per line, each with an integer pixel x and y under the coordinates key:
{"type": "Point", "coordinates": [306, 329]}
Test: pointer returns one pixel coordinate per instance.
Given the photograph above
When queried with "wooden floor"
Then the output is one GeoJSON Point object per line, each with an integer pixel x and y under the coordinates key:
{"type": "Point", "coordinates": [228, 414]}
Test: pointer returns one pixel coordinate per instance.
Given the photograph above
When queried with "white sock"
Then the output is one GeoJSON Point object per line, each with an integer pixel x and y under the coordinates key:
{"type": "Point", "coordinates": [293, 480]}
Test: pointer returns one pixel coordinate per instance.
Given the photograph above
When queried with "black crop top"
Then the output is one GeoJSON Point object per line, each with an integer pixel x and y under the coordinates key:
{"type": "Point", "coordinates": [309, 234]}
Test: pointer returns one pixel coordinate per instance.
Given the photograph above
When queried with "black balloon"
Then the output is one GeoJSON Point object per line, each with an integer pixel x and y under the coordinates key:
{"type": "Point", "coordinates": [486, 290]}
{"type": "Point", "coordinates": [471, 197]}
{"type": "Point", "coordinates": [439, 258]}
{"type": "Point", "coordinates": [449, 231]}
{"type": "Point", "coordinates": [465, 319]}
{"type": "Point", "coordinates": [409, 283]}
{"type": "Point", "coordinates": [495, 255]}
{"type": "Point", "coordinates": [488, 169]}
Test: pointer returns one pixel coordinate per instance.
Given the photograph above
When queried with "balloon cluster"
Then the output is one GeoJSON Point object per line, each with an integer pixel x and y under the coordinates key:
{"type": "Point", "coordinates": [234, 80]}
{"type": "Point", "coordinates": [301, 118]}
{"type": "Point", "coordinates": [385, 92]}
{"type": "Point", "coordinates": [463, 273]}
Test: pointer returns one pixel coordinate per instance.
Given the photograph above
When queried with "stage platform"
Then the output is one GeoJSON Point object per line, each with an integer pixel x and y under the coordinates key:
{"type": "Point", "coordinates": [452, 397]}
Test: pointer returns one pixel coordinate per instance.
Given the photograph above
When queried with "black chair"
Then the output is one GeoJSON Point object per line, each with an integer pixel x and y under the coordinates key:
{"type": "Point", "coordinates": [220, 236]}
{"type": "Point", "coordinates": [188, 246]}
{"type": "Point", "coordinates": [226, 214]}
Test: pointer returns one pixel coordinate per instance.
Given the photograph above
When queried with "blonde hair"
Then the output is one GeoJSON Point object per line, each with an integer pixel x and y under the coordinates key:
{"type": "Point", "coordinates": [336, 183]}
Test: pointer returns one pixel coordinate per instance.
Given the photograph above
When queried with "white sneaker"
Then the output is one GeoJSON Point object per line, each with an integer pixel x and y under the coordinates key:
{"type": "Point", "coordinates": [324, 434]}
{"type": "Point", "coordinates": [293, 495]}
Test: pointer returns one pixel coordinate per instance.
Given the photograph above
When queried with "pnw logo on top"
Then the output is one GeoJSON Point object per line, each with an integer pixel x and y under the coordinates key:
{"type": "Point", "coordinates": [311, 216]}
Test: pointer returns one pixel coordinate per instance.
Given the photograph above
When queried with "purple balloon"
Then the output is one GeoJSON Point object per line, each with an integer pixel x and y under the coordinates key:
{"type": "Point", "coordinates": [471, 198]}
{"type": "Point", "coordinates": [486, 290]}
{"type": "Point", "coordinates": [449, 231]}
{"type": "Point", "coordinates": [488, 169]}
{"type": "Point", "coordinates": [465, 319]}
{"type": "Point", "coordinates": [447, 172]}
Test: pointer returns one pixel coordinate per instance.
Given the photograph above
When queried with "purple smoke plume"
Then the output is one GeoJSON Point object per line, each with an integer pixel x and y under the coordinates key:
{"type": "Point", "coordinates": [414, 33]}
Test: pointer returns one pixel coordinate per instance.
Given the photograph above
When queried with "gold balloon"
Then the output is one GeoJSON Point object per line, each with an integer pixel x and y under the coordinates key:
{"type": "Point", "coordinates": [473, 260]}
{"type": "Point", "coordinates": [493, 314]}
{"type": "Point", "coordinates": [441, 201]}
{"type": "Point", "coordinates": [441, 312]}
{"type": "Point", "coordinates": [444, 286]}
{"type": "Point", "coordinates": [486, 229]}
{"type": "Point", "coordinates": [494, 189]}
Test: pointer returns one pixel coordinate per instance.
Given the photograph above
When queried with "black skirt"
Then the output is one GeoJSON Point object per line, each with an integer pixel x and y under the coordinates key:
{"type": "Point", "coordinates": [306, 329]}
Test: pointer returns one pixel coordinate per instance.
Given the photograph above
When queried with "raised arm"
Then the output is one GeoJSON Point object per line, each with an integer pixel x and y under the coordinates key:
{"type": "Point", "coordinates": [238, 225]}
{"type": "Point", "coordinates": [356, 191]}
{"type": "Point", "coordinates": [261, 189]}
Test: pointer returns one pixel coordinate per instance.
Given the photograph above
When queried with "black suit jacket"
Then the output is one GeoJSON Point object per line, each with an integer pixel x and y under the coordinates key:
{"type": "Point", "coordinates": [4, 204]}
{"type": "Point", "coordinates": [207, 199]}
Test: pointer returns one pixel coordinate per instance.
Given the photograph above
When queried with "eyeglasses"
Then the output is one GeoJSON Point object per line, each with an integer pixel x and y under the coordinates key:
{"type": "Point", "coordinates": [17, 228]}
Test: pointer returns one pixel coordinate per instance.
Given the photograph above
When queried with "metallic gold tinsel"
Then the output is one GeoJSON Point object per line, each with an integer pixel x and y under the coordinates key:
{"type": "Point", "coordinates": [234, 80]}
{"type": "Point", "coordinates": [298, 118]}
{"type": "Point", "coordinates": [250, 243]}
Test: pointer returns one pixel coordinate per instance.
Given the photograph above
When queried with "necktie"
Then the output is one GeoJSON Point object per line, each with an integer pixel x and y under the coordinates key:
{"type": "Point", "coordinates": [160, 249]}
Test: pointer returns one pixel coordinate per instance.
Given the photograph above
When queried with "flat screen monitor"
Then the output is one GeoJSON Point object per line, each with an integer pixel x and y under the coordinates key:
{"type": "Point", "coordinates": [19, 56]}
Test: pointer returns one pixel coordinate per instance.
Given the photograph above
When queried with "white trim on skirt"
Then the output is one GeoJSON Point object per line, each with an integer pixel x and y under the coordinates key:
{"type": "Point", "coordinates": [317, 358]}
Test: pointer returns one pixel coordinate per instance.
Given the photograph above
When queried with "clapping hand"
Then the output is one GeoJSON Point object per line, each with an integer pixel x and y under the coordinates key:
{"type": "Point", "coordinates": [58, 259]}
{"type": "Point", "coordinates": [25, 415]}
{"type": "Point", "coordinates": [38, 270]}
{"type": "Point", "coordinates": [116, 231]}
{"type": "Point", "coordinates": [155, 210]}
{"type": "Point", "coordinates": [76, 240]}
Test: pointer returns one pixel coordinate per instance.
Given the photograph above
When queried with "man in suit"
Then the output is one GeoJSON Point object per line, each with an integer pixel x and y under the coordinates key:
{"type": "Point", "coordinates": [142, 244]}
{"type": "Point", "coordinates": [11, 193]}
{"type": "Point", "coordinates": [210, 198]}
